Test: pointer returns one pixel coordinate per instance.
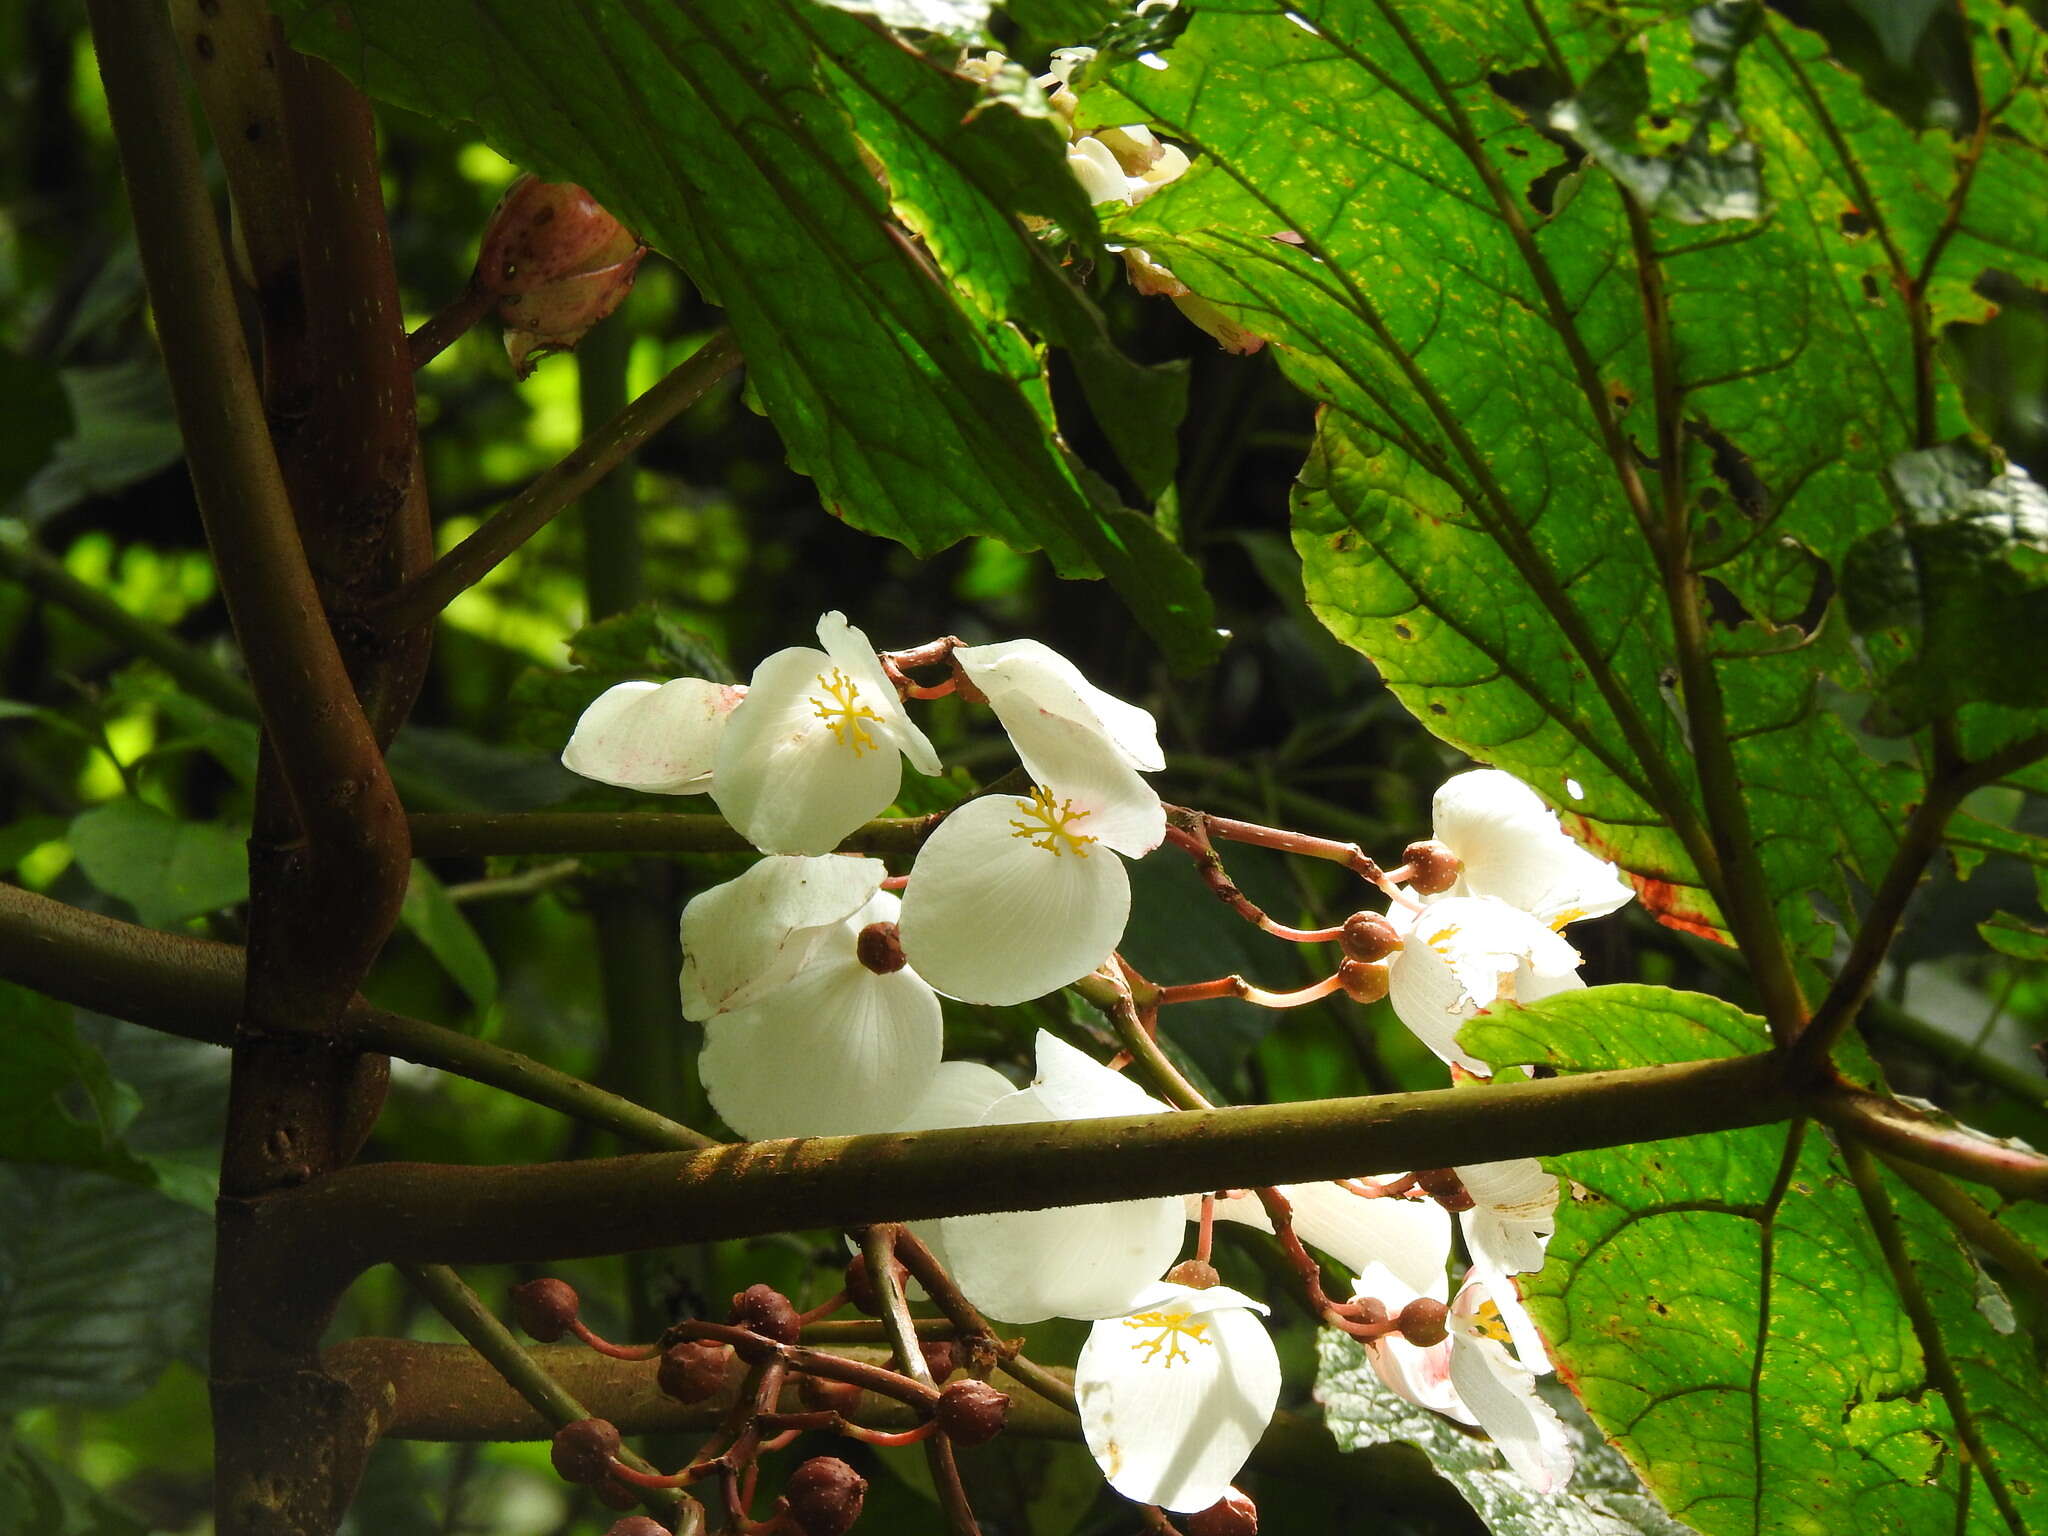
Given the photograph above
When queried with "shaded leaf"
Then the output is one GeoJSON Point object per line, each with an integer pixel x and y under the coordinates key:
{"type": "Point", "coordinates": [58, 1102]}
{"type": "Point", "coordinates": [2003, 361]}
{"type": "Point", "coordinates": [37, 1494]}
{"type": "Point", "coordinates": [122, 432]}
{"type": "Point", "coordinates": [2016, 937]}
{"type": "Point", "coordinates": [165, 868]}
{"type": "Point", "coordinates": [440, 925]}
{"type": "Point", "coordinates": [39, 417]}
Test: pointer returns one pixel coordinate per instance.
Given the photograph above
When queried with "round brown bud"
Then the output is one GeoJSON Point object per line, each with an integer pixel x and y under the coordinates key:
{"type": "Point", "coordinates": [1445, 1187]}
{"type": "Point", "coordinates": [860, 1290]}
{"type": "Point", "coordinates": [1362, 982]}
{"type": "Point", "coordinates": [557, 263]}
{"type": "Point", "coordinates": [1232, 1515]}
{"type": "Point", "coordinates": [880, 948]}
{"type": "Point", "coordinates": [545, 1308]}
{"type": "Point", "coordinates": [1369, 936]}
{"type": "Point", "coordinates": [764, 1310]}
{"type": "Point", "coordinates": [825, 1496]}
{"type": "Point", "coordinates": [613, 1494]}
{"type": "Point", "coordinates": [1422, 1321]}
{"type": "Point", "coordinates": [1195, 1274]}
{"type": "Point", "coordinates": [972, 1412]}
{"type": "Point", "coordinates": [822, 1394]}
{"type": "Point", "coordinates": [583, 1451]}
{"type": "Point", "coordinates": [694, 1370]}
{"type": "Point", "coordinates": [1370, 1309]}
{"type": "Point", "coordinates": [638, 1525]}
{"type": "Point", "coordinates": [941, 1357]}
{"type": "Point", "coordinates": [1431, 867]}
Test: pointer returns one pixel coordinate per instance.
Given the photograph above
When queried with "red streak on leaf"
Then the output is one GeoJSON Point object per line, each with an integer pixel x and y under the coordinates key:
{"type": "Point", "coordinates": [1661, 899]}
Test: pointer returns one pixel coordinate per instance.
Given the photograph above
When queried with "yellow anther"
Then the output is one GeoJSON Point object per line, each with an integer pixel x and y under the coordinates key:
{"type": "Point", "coordinates": [843, 712]}
{"type": "Point", "coordinates": [1049, 824]}
{"type": "Point", "coordinates": [1568, 915]}
{"type": "Point", "coordinates": [1487, 1323]}
{"type": "Point", "coordinates": [1441, 940]}
{"type": "Point", "coordinates": [1168, 1330]}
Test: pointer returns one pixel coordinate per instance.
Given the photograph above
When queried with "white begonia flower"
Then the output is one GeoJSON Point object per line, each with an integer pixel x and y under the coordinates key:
{"type": "Point", "coordinates": [1513, 1215]}
{"type": "Point", "coordinates": [1175, 1392]}
{"type": "Point", "coordinates": [1014, 897]}
{"type": "Point", "coordinates": [1097, 170]}
{"type": "Point", "coordinates": [817, 745]}
{"type": "Point", "coordinates": [1511, 847]}
{"type": "Point", "coordinates": [1463, 954]}
{"type": "Point", "coordinates": [1025, 678]}
{"type": "Point", "coordinates": [1483, 1373]}
{"type": "Point", "coordinates": [1411, 1238]}
{"type": "Point", "coordinates": [1083, 1261]}
{"type": "Point", "coordinates": [957, 1094]}
{"type": "Point", "coordinates": [748, 937]}
{"type": "Point", "coordinates": [660, 738]}
{"type": "Point", "coordinates": [837, 1050]}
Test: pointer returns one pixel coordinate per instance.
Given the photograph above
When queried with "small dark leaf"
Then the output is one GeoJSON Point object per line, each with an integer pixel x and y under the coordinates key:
{"type": "Point", "coordinates": [165, 868]}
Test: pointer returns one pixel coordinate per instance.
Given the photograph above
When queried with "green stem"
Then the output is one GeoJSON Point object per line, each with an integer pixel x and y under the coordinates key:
{"type": "Point", "coordinates": [420, 599]}
{"type": "Point", "coordinates": [508, 1357]}
{"type": "Point", "coordinates": [193, 987]}
{"type": "Point", "coordinates": [475, 834]}
{"type": "Point", "coordinates": [1975, 1225]}
{"type": "Point", "coordinates": [878, 1247]}
{"type": "Point", "coordinates": [190, 669]}
{"type": "Point", "coordinates": [1897, 1131]}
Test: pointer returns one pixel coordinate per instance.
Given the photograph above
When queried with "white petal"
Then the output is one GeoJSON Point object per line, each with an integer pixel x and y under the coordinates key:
{"type": "Point", "coordinates": [1088, 780]}
{"type": "Point", "coordinates": [787, 779]}
{"type": "Point", "coordinates": [1411, 1238]}
{"type": "Point", "coordinates": [1081, 1261]}
{"type": "Point", "coordinates": [661, 738]}
{"type": "Point", "coordinates": [1463, 955]}
{"type": "Point", "coordinates": [1101, 178]}
{"type": "Point", "coordinates": [1031, 677]}
{"type": "Point", "coordinates": [1509, 1227]}
{"type": "Point", "coordinates": [745, 938]}
{"type": "Point", "coordinates": [992, 917]}
{"type": "Point", "coordinates": [1173, 1400]}
{"type": "Point", "coordinates": [852, 653]}
{"type": "Point", "coordinates": [958, 1093]}
{"type": "Point", "coordinates": [1072, 1085]}
{"type": "Point", "coordinates": [1501, 1395]}
{"type": "Point", "coordinates": [838, 1051]}
{"type": "Point", "coordinates": [1512, 847]}
{"type": "Point", "coordinates": [1484, 1290]}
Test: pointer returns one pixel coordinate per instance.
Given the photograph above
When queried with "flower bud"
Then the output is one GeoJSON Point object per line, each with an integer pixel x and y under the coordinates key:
{"type": "Point", "coordinates": [545, 1308]}
{"type": "Point", "coordinates": [1422, 1322]}
{"type": "Point", "coordinates": [860, 1290]}
{"type": "Point", "coordinates": [1232, 1515]}
{"type": "Point", "coordinates": [694, 1370]}
{"type": "Point", "coordinates": [557, 264]}
{"type": "Point", "coordinates": [972, 1412]}
{"type": "Point", "coordinates": [1362, 983]}
{"type": "Point", "coordinates": [583, 1451]}
{"type": "Point", "coordinates": [766, 1311]}
{"type": "Point", "coordinates": [1445, 1187]}
{"type": "Point", "coordinates": [613, 1494]}
{"type": "Point", "coordinates": [638, 1525]}
{"type": "Point", "coordinates": [825, 1496]}
{"type": "Point", "coordinates": [822, 1394]}
{"type": "Point", "coordinates": [1370, 1309]}
{"type": "Point", "coordinates": [1369, 936]}
{"type": "Point", "coordinates": [1195, 1274]}
{"type": "Point", "coordinates": [941, 1357]}
{"type": "Point", "coordinates": [1431, 867]}
{"type": "Point", "coordinates": [880, 948]}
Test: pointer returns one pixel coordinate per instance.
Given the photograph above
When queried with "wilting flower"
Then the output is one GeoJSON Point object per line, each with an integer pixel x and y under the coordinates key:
{"type": "Point", "coordinates": [813, 1024]}
{"type": "Point", "coordinates": [1514, 1212]}
{"type": "Point", "coordinates": [817, 745]}
{"type": "Point", "coordinates": [1081, 1261]}
{"type": "Point", "coordinates": [1175, 1391]}
{"type": "Point", "coordinates": [1483, 1373]}
{"type": "Point", "coordinates": [659, 738]}
{"type": "Point", "coordinates": [1015, 896]}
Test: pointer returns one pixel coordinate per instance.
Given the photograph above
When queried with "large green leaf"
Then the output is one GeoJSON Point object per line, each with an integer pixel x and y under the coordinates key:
{"type": "Point", "coordinates": [713, 131]}
{"type": "Point", "coordinates": [1723, 1309]}
{"type": "Point", "coordinates": [1530, 380]}
{"type": "Point", "coordinates": [167, 869]}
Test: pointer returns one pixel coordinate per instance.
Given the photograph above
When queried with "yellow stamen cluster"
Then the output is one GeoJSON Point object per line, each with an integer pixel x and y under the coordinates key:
{"type": "Point", "coordinates": [1167, 1330]}
{"type": "Point", "coordinates": [1049, 824]}
{"type": "Point", "coordinates": [843, 712]}
{"type": "Point", "coordinates": [1487, 1323]}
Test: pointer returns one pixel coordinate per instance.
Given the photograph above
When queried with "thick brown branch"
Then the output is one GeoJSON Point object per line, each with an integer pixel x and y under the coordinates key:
{"type": "Point", "coordinates": [420, 1213]}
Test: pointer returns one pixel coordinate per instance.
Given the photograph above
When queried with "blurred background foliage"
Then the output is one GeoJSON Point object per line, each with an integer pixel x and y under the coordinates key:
{"type": "Point", "coordinates": [125, 792]}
